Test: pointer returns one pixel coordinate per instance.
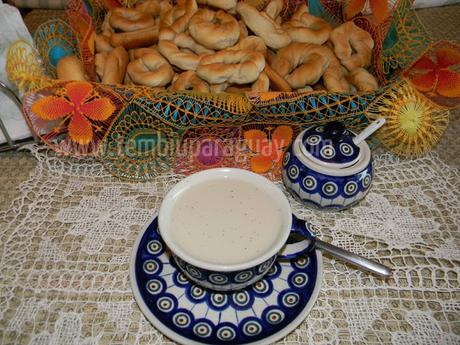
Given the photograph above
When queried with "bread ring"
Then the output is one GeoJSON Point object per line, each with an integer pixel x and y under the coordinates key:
{"type": "Point", "coordinates": [233, 66]}
{"type": "Point", "coordinates": [115, 66]}
{"type": "Point", "coordinates": [154, 8]}
{"type": "Point", "coordinates": [217, 88]}
{"type": "Point", "coordinates": [274, 8]}
{"type": "Point", "coordinates": [238, 88]}
{"type": "Point", "coordinates": [262, 84]}
{"type": "Point", "coordinates": [106, 29]}
{"type": "Point", "coordinates": [99, 62]}
{"type": "Point", "coordinates": [319, 86]}
{"type": "Point", "coordinates": [129, 19]}
{"type": "Point", "coordinates": [214, 30]}
{"type": "Point", "coordinates": [308, 29]}
{"type": "Point", "coordinates": [251, 43]}
{"type": "Point", "coordinates": [243, 30]}
{"type": "Point", "coordinates": [171, 16]}
{"type": "Point", "coordinates": [299, 65]}
{"type": "Point", "coordinates": [169, 46]}
{"type": "Point", "coordinates": [352, 45]}
{"type": "Point", "coordinates": [178, 18]}
{"type": "Point", "coordinates": [334, 75]}
{"type": "Point", "coordinates": [363, 80]}
{"type": "Point", "coordinates": [140, 52]}
{"type": "Point", "coordinates": [227, 5]}
{"type": "Point", "coordinates": [305, 89]}
{"type": "Point", "coordinates": [102, 44]}
{"type": "Point", "coordinates": [263, 26]}
{"type": "Point", "coordinates": [277, 82]}
{"type": "Point", "coordinates": [300, 11]}
{"type": "Point", "coordinates": [184, 60]}
{"type": "Point", "coordinates": [189, 81]}
{"type": "Point", "coordinates": [151, 69]}
{"type": "Point", "coordinates": [127, 80]}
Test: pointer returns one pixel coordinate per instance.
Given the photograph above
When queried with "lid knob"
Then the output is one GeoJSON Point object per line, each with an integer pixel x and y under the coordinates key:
{"type": "Point", "coordinates": [334, 130]}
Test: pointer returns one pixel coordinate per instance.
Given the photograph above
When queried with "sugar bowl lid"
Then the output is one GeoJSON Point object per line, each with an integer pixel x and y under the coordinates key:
{"type": "Point", "coordinates": [333, 145]}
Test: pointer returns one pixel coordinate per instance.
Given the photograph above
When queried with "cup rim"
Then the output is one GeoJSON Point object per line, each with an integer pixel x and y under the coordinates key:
{"type": "Point", "coordinates": [203, 176]}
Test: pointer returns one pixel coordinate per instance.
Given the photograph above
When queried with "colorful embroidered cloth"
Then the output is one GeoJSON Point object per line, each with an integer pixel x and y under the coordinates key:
{"type": "Point", "coordinates": [139, 134]}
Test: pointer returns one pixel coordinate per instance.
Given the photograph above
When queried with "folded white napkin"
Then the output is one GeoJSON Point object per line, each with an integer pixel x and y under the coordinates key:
{"type": "Point", "coordinates": [12, 28]}
{"type": "Point", "coordinates": [434, 3]}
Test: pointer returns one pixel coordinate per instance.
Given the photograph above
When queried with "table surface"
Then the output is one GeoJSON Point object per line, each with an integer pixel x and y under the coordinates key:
{"type": "Point", "coordinates": [67, 229]}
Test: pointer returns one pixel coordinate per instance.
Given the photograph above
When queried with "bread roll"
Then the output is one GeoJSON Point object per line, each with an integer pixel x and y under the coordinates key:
{"type": "Point", "coordinates": [135, 39]}
{"type": "Point", "coordinates": [115, 66]}
{"type": "Point", "coordinates": [70, 68]}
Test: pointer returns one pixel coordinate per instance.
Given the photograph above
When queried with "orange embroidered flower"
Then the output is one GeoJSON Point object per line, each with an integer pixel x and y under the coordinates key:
{"type": "Point", "coordinates": [437, 76]}
{"type": "Point", "coordinates": [379, 8]}
{"type": "Point", "coordinates": [76, 107]}
{"type": "Point", "coordinates": [269, 152]}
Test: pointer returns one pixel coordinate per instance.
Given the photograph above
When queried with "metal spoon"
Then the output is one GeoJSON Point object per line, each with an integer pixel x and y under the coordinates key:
{"type": "Point", "coordinates": [357, 260]}
{"type": "Point", "coordinates": [354, 259]}
{"type": "Point", "coordinates": [369, 130]}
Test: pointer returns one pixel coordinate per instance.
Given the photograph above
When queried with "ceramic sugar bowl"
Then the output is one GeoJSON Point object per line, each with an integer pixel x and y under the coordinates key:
{"type": "Point", "coordinates": [328, 167]}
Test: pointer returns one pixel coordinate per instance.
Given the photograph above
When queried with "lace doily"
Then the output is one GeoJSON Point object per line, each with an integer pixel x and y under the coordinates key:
{"type": "Point", "coordinates": [65, 244]}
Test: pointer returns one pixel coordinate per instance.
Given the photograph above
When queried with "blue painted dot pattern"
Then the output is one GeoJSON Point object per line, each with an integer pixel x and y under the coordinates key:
{"type": "Point", "coordinates": [319, 190]}
{"type": "Point", "coordinates": [346, 149]}
{"type": "Point", "coordinates": [367, 181]}
{"type": "Point", "coordinates": [151, 266]}
{"type": "Point", "coordinates": [290, 299]}
{"type": "Point", "coordinates": [327, 152]}
{"type": "Point", "coordinates": [218, 301]}
{"type": "Point", "coordinates": [241, 299]}
{"type": "Point", "coordinates": [252, 328]}
{"type": "Point", "coordinates": [168, 294]}
{"type": "Point", "coordinates": [301, 262]}
{"type": "Point", "coordinates": [337, 148]}
{"type": "Point", "coordinates": [330, 189]}
{"type": "Point", "coordinates": [154, 286]}
{"type": "Point", "coordinates": [313, 139]}
{"type": "Point", "coordinates": [226, 333]}
{"type": "Point", "coordinates": [293, 172]}
{"type": "Point", "coordinates": [218, 279]}
{"type": "Point", "coordinates": [262, 287]}
{"type": "Point", "coordinates": [182, 320]}
{"type": "Point", "coordinates": [351, 188]}
{"type": "Point", "coordinates": [286, 158]}
{"type": "Point", "coordinates": [155, 247]}
{"type": "Point", "coordinates": [243, 276]}
{"type": "Point", "coordinates": [166, 304]}
{"type": "Point", "coordinates": [309, 183]}
{"type": "Point", "coordinates": [202, 329]}
{"type": "Point", "coordinates": [274, 315]}
{"type": "Point", "coordinates": [299, 279]}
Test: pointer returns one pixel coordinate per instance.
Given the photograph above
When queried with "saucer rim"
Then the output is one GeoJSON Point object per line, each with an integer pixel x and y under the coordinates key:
{"type": "Point", "coordinates": [165, 331]}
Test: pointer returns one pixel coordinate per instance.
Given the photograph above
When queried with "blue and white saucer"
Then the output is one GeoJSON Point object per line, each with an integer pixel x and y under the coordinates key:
{"type": "Point", "coordinates": [189, 314]}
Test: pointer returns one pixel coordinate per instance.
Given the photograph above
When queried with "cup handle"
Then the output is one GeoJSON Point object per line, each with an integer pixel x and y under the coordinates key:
{"type": "Point", "coordinates": [293, 250]}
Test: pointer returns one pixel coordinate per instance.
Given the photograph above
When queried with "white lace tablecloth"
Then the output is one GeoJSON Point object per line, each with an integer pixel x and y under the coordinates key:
{"type": "Point", "coordinates": [66, 241]}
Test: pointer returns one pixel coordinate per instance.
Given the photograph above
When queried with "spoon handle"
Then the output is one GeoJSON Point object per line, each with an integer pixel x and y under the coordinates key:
{"type": "Point", "coordinates": [369, 130]}
{"type": "Point", "coordinates": [354, 259]}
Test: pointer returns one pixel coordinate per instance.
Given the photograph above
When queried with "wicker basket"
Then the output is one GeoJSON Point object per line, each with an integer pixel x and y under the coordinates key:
{"type": "Point", "coordinates": [148, 133]}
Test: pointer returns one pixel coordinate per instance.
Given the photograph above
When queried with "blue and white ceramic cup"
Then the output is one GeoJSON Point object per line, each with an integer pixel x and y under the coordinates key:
{"type": "Point", "coordinates": [234, 277]}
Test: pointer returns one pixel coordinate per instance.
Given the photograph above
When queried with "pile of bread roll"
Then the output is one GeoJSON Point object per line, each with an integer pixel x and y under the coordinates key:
{"type": "Point", "coordinates": [229, 46]}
